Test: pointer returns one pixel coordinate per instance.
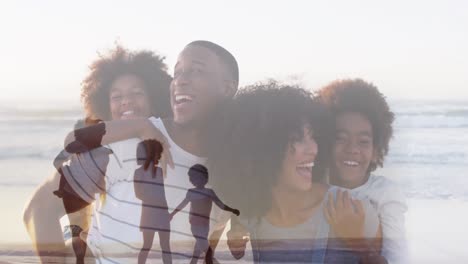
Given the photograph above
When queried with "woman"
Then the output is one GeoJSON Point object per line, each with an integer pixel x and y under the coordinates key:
{"type": "Point", "coordinates": [269, 157]}
{"type": "Point", "coordinates": [120, 85]}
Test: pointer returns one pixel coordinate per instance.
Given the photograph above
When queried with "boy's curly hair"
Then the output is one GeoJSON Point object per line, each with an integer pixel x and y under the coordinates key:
{"type": "Point", "coordinates": [356, 95]}
{"type": "Point", "coordinates": [146, 65]}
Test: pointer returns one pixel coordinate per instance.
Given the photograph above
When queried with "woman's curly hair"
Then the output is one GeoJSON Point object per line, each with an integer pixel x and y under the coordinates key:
{"type": "Point", "coordinates": [356, 95]}
{"type": "Point", "coordinates": [253, 137]}
{"type": "Point", "coordinates": [146, 65]}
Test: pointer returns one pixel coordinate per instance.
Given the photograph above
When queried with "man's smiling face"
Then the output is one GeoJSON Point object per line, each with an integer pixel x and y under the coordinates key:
{"type": "Point", "coordinates": [198, 84]}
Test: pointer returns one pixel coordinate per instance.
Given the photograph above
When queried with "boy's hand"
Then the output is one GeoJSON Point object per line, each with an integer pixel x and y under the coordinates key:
{"type": "Point", "coordinates": [237, 242]}
{"type": "Point", "coordinates": [345, 215]}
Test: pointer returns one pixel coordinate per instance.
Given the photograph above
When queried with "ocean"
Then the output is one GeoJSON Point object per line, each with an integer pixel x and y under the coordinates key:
{"type": "Point", "coordinates": [428, 157]}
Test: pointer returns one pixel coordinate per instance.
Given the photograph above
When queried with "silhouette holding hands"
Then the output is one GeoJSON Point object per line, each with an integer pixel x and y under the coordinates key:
{"type": "Point", "coordinates": [149, 187]}
{"type": "Point", "coordinates": [201, 200]}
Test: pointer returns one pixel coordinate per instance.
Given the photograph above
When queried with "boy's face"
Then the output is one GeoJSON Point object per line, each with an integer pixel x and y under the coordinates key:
{"type": "Point", "coordinates": [353, 149]}
{"type": "Point", "coordinates": [197, 179]}
{"type": "Point", "coordinates": [199, 84]}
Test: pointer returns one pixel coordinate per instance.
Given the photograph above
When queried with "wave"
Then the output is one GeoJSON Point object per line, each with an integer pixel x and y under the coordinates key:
{"type": "Point", "coordinates": [440, 158]}
{"type": "Point", "coordinates": [435, 195]}
{"type": "Point", "coordinates": [428, 121]}
{"type": "Point", "coordinates": [428, 108]}
{"type": "Point", "coordinates": [18, 184]}
{"type": "Point", "coordinates": [28, 152]}
{"type": "Point", "coordinates": [438, 112]}
{"type": "Point", "coordinates": [44, 113]}
{"type": "Point", "coordinates": [431, 114]}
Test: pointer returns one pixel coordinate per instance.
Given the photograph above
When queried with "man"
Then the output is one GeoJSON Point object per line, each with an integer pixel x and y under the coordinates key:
{"type": "Point", "coordinates": [205, 75]}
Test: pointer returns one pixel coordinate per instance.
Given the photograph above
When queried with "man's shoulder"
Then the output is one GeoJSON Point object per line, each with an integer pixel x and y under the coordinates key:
{"type": "Point", "coordinates": [159, 123]}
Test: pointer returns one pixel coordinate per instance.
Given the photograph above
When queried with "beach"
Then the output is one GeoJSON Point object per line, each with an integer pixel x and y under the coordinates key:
{"type": "Point", "coordinates": [428, 158]}
{"type": "Point", "coordinates": [435, 231]}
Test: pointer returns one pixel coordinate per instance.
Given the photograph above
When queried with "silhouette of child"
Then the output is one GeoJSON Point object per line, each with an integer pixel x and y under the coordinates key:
{"type": "Point", "coordinates": [149, 187]}
{"type": "Point", "coordinates": [201, 199]}
{"type": "Point", "coordinates": [81, 178]}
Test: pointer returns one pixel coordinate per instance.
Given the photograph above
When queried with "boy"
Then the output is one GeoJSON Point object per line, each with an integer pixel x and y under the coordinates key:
{"type": "Point", "coordinates": [363, 128]}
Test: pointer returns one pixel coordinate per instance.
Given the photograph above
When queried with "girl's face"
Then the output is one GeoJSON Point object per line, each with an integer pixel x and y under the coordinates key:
{"type": "Point", "coordinates": [353, 150]}
{"type": "Point", "coordinates": [128, 98]}
{"type": "Point", "coordinates": [297, 166]}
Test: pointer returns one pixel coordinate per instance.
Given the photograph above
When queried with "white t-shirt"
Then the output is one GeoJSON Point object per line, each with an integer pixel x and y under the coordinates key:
{"type": "Point", "coordinates": [115, 235]}
{"type": "Point", "coordinates": [390, 203]}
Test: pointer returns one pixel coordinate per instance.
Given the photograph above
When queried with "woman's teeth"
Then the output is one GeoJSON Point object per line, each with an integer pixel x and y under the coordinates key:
{"type": "Point", "coordinates": [183, 98]}
{"type": "Point", "coordinates": [306, 165]}
{"type": "Point", "coordinates": [305, 170]}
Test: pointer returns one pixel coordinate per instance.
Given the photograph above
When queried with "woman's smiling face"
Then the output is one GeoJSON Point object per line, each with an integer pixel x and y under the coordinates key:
{"type": "Point", "coordinates": [298, 162]}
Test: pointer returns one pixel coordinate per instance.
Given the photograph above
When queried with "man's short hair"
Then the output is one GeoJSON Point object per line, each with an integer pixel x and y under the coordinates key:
{"type": "Point", "coordinates": [224, 55]}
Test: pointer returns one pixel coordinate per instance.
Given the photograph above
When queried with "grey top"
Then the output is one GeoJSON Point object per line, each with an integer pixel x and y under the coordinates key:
{"type": "Point", "coordinates": [309, 242]}
{"type": "Point", "coordinates": [302, 243]}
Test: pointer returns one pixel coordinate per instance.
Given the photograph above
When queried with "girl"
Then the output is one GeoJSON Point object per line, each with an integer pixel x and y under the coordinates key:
{"type": "Point", "coordinates": [120, 85]}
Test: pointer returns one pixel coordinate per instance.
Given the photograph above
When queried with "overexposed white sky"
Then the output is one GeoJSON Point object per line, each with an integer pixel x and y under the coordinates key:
{"type": "Point", "coordinates": [409, 49]}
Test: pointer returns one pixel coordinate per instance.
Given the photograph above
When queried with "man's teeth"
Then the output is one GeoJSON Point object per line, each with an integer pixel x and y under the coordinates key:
{"type": "Point", "coordinates": [127, 113]}
{"type": "Point", "coordinates": [306, 165]}
{"type": "Point", "coordinates": [350, 163]}
{"type": "Point", "coordinates": [182, 98]}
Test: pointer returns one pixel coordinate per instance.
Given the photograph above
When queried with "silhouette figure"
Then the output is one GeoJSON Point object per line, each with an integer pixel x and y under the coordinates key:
{"type": "Point", "coordinates": [149, 187]}
{"type": "Point", "coordinates": [86, 169]}
{"type": "Point", "coordinates": [201, 199]}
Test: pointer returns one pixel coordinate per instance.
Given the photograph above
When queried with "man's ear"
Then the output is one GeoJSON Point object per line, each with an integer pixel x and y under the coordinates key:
{"type": "Point", "coordinates": [230, 88]}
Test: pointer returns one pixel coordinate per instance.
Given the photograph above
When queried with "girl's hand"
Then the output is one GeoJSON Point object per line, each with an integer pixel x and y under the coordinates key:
{"type": "Point", "coordinates": [151, 132]}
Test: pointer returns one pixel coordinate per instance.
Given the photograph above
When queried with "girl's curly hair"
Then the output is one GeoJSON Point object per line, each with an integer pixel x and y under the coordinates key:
{"type": "Point", "coordinates": [146, 65]}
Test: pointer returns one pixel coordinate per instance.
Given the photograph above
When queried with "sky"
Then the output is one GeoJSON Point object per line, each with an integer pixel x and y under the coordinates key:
{"type": "Point", "coordinates": [409, 49]}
